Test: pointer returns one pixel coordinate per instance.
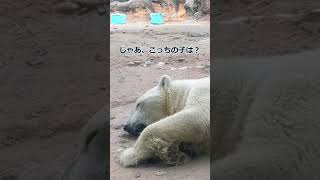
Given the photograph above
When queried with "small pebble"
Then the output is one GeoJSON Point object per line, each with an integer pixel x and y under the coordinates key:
{"type": "Point", "coordinates": [138, 62]}
{"type": "Point", "coordinates": [160, 173]}
{"type": "Point", "coordinates": [99, 57]}
{"type": "Point", "coordinates": [137, 175]}
{"type": "Point", "coordinates": [131, 64]}
{"type": "Point", "coordinates": [117, 127]}
{"type": "Point", "coordinates": [34, 62]}
{"type": "Point", "coordinates": [160, 63]}
{"type": "Point", "coordinates": [181, 59]}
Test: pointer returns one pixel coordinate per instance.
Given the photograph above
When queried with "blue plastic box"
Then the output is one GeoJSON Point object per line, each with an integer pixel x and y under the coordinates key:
{"type": "Point", "coordinates": [118, 18]}
{"type": "Point", "coordinates": [157, 18]}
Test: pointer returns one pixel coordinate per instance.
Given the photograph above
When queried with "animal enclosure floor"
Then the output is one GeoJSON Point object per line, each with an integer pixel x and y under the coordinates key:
{"type": "Point", "coordinates": [133, 74]}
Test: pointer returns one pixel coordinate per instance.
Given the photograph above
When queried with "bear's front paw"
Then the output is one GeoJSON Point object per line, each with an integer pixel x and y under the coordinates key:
{"type": "Point", "coordinates": [128, 158]}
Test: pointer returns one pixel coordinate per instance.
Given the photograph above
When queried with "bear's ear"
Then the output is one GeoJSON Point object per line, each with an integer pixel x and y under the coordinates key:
{"type": "Point", "coordinates": [165, 82]}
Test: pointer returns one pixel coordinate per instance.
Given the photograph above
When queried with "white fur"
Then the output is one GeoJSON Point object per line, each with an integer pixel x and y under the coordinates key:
{"type": "Point", "coordinates": [182, 115]}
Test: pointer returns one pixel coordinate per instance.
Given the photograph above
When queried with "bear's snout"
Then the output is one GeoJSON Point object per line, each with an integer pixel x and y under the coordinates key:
{"type": "Point", "coordinates": [134, 129]}
{"type": "Point", "coordinates": [139, 128]}
{"type": "Point", "coordinates": [125, 127]}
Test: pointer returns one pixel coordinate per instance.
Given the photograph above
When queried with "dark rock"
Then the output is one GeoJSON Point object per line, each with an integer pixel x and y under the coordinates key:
{"type": "Point", "coordinates": [41, 52]}
{"type": "Point", "coordinates": [117, 127]}
{"type": "Point", "coordinates": [181, 60]}
{"type": "Point", "coordinates": [34, 62]}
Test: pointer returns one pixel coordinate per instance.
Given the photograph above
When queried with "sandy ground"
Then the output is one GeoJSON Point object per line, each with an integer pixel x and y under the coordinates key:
{"type": "Point", "coordinates": [133, 74]}
{"type": "Point", "coordinates": [265, 27]}
{"type": "Point", "coordinates": [52, 80]}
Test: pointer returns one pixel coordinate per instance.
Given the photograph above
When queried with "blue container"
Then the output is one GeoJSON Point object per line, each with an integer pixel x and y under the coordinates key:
{"type": "Point", "coordinates": [157, 18]}
{"type": "Point", "coordinates": [118, 18]}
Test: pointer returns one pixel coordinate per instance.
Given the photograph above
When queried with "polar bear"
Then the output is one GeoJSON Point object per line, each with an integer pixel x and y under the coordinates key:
{"type": "Point", "coordinates": [90, 160]}
{"type": "Point", "coordinates": [173, 121]}
{"type": "Point", "coordinates": [266, 115]}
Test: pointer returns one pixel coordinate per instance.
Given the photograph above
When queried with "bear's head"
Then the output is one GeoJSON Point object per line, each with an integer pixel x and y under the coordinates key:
{"type": "Point", "coordinates": [149, 108]}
